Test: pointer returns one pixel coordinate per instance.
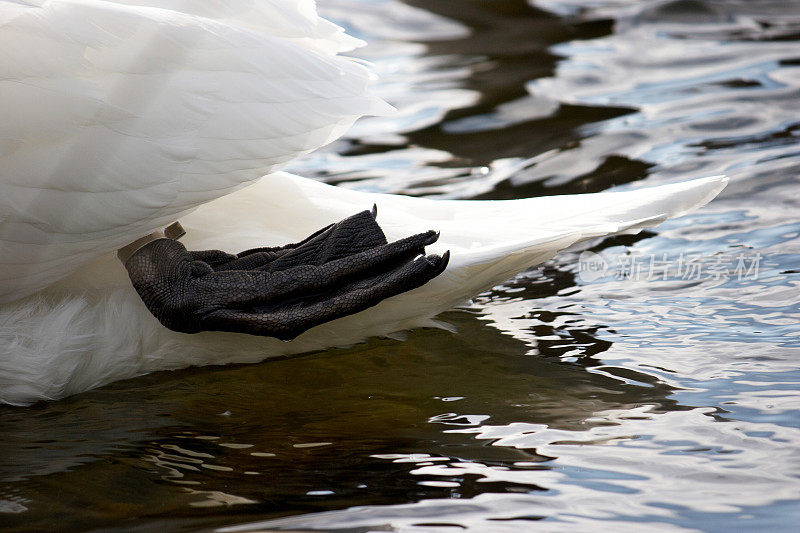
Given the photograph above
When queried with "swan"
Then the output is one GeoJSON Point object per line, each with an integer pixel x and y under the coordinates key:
{"type": "Point", "coordinates": [122, 117]}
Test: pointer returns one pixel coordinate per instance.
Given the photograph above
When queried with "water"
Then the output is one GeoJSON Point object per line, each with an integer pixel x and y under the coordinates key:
{"type": "Point", "coordinates": [643, 396]}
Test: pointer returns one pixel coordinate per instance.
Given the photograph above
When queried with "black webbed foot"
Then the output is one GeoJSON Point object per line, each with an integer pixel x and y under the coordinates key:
{"type": "Point", "coordinates": [281, 292]}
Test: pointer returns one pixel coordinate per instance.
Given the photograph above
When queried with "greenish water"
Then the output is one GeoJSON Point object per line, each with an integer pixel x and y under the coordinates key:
{"type": "Point", "coordinates": [653, 396]}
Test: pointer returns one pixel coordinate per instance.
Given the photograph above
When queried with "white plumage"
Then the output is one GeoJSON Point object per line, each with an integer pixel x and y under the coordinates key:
{"type": "Point", "coordinates": [117, 119]}
{"type": "Point", "coordinates": [120, 117]}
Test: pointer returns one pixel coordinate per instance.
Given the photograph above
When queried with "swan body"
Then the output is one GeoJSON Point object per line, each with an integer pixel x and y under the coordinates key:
{"type": "Point", "coordinates": [175, 112]}
{"type": "Point", "coordinates": [91, 328]}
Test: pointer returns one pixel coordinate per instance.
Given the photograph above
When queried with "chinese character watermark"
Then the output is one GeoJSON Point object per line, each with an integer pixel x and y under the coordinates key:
{"type": "Point", "coordinates": [639, 266]}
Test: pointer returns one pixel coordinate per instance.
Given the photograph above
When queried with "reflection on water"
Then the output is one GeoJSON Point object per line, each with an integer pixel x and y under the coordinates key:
{"type": "Point", "coordinates": [562, 401]}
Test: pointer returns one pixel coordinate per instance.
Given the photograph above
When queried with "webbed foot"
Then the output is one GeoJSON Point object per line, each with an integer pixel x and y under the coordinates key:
{"type": "Point", "coordinates": [281, 292]}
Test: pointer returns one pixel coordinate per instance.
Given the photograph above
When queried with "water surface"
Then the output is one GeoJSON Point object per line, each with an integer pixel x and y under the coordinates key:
{"type": "Point", "coordinates": [660, 393]}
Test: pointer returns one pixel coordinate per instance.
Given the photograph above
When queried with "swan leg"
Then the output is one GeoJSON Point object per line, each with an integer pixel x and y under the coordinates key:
{"type": "Point", "coordinates": [281, 292]}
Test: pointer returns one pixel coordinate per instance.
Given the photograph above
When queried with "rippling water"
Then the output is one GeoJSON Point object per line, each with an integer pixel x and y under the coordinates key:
{"type": "Point", "coordinates": [659, 392]}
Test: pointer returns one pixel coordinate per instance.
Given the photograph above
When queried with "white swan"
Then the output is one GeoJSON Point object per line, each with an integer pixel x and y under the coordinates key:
{"type": "Point", "coordinates": [121, 117]}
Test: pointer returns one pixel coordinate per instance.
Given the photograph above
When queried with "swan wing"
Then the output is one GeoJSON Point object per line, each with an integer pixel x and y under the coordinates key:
{"type": "Point", "coordinates": [118, 118]}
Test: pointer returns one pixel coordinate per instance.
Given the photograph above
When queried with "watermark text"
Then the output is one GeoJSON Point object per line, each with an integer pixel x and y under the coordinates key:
{"type": "Point", "coordinates": [648, 267]}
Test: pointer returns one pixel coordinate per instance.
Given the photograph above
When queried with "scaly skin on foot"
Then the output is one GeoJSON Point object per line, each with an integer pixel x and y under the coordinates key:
{"type": "Point", "coordinates": [281, 292]}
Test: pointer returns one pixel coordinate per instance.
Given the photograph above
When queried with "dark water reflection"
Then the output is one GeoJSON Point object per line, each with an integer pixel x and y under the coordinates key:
{"type": "Point", "coordinates": [562, 402]}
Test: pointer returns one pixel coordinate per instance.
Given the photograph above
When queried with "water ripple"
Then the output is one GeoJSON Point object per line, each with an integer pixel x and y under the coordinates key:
{"type": "Point", "coordinates": [648, 396]}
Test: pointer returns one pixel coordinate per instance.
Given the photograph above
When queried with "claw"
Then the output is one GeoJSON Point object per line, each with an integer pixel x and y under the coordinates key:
{"type": "Point", "coordinates": [443, 261]}
{"type": "Point", "coordinates": [439, 263]}
{"type": "Point", "coordinates": [375, 211]}
{"type": "Point", "coordinates": [431, 237]}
